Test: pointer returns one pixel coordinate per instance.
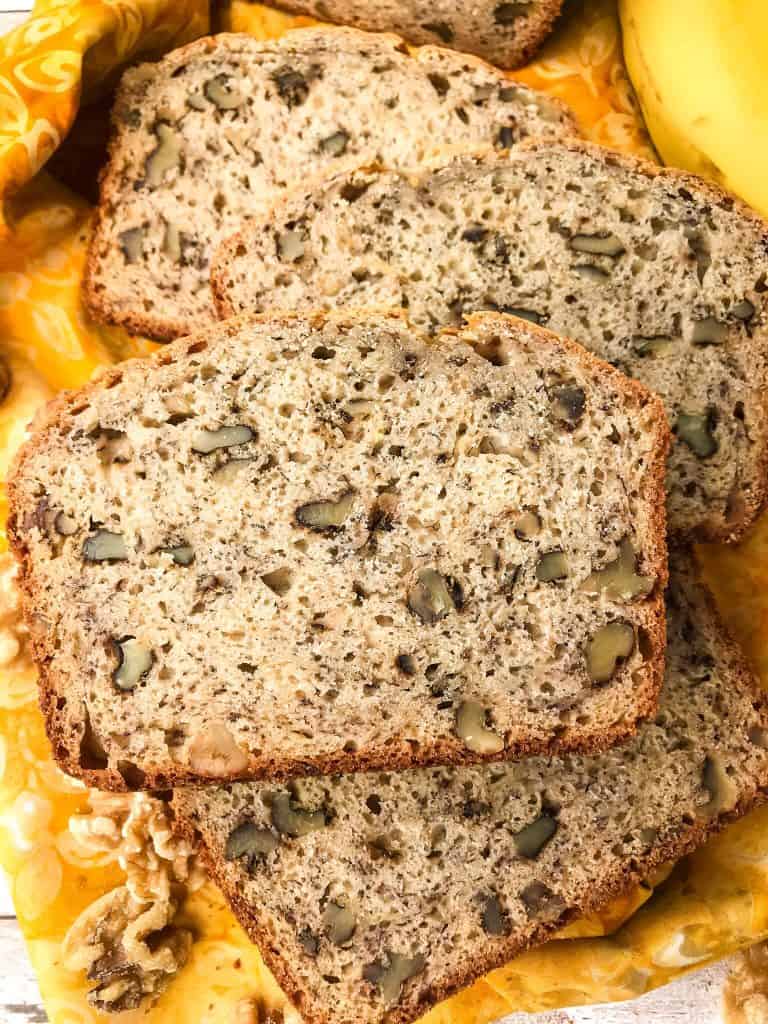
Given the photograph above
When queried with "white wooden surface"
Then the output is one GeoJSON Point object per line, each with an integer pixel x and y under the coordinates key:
{"type": "Point", "coordinates": [694, 999]}
{"type": "Point", "coordinates": [19, 994]}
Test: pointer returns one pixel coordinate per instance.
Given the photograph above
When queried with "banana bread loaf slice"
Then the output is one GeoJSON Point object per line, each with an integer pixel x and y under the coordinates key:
{"type": "Point", "coordinates": [506, 34]}
{"type": "Point", "coordinates": [286, 545]}
{"type": "Point", "coordinates": [374, 896]}
{"type": "Point", "coordinates": [656, 271]}
{"type": "Point", "coordinates": [213, 130]}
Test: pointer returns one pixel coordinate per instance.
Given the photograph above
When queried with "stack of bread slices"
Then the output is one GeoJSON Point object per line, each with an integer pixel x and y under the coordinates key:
{"type": "Point", "coordinates": [370, 563]}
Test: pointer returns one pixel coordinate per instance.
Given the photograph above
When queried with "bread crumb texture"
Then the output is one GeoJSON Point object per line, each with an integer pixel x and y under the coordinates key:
{"type": "Point", "coordinates": [714, 901]}
{"type": "Point", "coordinates": [385, 892]}
{"type": "Point", "coordinates": [658, 273]}
{"type": "Point", "coordinates": [506, 34]}
{"type": "Point", "coordinates": [291, 544]}
{"type": "Point", "coordinates": [214, 130]}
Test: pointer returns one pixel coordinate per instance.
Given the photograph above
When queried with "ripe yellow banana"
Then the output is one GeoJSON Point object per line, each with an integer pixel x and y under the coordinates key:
{"type": "Point", "coordinates": [700, 70]}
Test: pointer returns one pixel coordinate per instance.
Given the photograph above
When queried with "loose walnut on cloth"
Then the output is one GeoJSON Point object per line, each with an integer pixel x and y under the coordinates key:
{"type": "Point", "coordinates": [745, 996]}
{"type": "Point", "coordinates": [717, 900]}
{"type": "Point", "coordinates": [111, 938]}
{"type": "Point", "coordinates": [127, 941]}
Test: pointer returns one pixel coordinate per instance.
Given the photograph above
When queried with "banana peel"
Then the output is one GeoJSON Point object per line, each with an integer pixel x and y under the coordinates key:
{"type": "Point", "coordinates": [700, 71]}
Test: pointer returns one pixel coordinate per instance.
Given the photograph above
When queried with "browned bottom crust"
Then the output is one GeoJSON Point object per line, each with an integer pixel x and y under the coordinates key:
{"type": "Point", "coordinates": [690, 836]}
{"type": "Point", "coordinates": [392, 755]}
{"type": "Point", "coordinates": [153, 324]}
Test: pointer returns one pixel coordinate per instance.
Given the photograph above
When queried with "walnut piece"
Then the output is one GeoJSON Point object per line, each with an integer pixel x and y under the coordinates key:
{"type": "Point", "coordinates": [215, 753]}
{"type": "Point", "coordinates": [745, 995]}
{"type": "Point", "coordinates": [129, 948]}
{"type": "Point", "coordinates": [472, 729]}
{"type": "Point", "coordinates": [127, 941]}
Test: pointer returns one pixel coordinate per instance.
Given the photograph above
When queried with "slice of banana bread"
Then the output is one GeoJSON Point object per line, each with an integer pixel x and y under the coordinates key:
{"type": "Point", "coordinates": [655, 271]}
{"type": "Point", "coordinates": [290, 545]}
{"type": "Point", "coordinates": [506, 34]}
{"type": "Point", "coordinates": [206, 135]}
{"type": "Point", "coordinates": [374, 896]}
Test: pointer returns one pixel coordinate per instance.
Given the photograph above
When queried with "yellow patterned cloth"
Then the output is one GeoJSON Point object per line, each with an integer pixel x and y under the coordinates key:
{"type": "Point", "coordinates": [70, 52]}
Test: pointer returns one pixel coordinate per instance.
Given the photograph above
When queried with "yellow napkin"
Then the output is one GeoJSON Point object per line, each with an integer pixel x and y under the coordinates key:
{"type": "Point", "coordinates": [70, 53]}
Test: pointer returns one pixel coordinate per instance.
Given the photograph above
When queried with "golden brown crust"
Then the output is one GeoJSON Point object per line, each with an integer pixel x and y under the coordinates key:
{"type": "Point", "coordinates": [531, 42]}
{"type": "Point", "coordinates": [390, 756]}
{"type": "Point", "coordinates": [526, 42]}
{"type": "Point", "coordinates": [689, 837]}
{"type": "Point", "coordinates": [710, 531]}
{"type": "Point", "coordinates": [153, 325]}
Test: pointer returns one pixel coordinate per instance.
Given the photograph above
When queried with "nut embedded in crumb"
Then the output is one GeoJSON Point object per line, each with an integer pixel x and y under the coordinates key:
{"type": "Point", "coordinates": [214, 753]}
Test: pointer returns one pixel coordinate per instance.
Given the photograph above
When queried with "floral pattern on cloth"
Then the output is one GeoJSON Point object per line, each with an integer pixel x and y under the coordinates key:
{"type": "Point", "coordinates": [65, 848]}
{"type": "Point", "coordinates": [65, 53]}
